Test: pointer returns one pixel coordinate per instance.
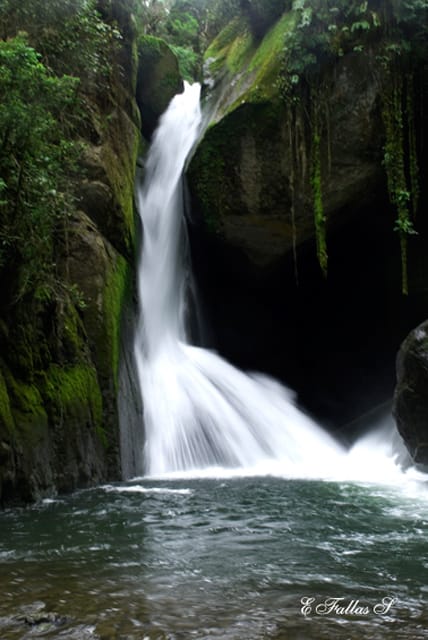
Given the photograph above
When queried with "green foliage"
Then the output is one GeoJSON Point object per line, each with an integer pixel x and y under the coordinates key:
{"type": "Point", "coordinates": [37, 159]}
{"type": "Point", "coordinates": [411, 13]}
{"type": "Point", "coordinates": [412, 148]}
{"type": "Point", "coordinates": [6, 418]}
{"type": "Point", "coordinates": [189, 26]}
{"type": "Point", "coordinates": [69, 34]}
{"type": "Point", "coordinates": [324, 31]}
{"type": "Point", "coordinates": [53, 56]}
{"type": "Point", "coordinates": [74, 391]}
{"type": "Point", "coordinates": [188, 62]}
{"type": "Point", "coordinates": [316, 184]}
{"type": "Point", "coordinates": [214, 16]}
{"type": "Point", "coordinates": [152, 15]}
{"type": "Point", "coordinates": [116, 288]}
{"type": "Point", "coordinates": [403, 190]}
{"type": "Point", "coordinates": [182, 25]}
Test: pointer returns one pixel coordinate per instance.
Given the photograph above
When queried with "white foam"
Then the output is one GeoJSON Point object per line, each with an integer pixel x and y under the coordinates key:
{"type": "Point", "coordinates": [204, 418]}
{"type": "Point", "coordinates": [141, 489]}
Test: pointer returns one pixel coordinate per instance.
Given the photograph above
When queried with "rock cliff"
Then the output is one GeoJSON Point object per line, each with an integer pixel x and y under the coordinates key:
{"type": "Point", "coordinates": [66, 366]}
{"type": "Point", "coordinates": [59, 360]}
{"type": "Point", "coordinates": [284, 179]}
{"type": "Point", "coordinates": [410, 398]}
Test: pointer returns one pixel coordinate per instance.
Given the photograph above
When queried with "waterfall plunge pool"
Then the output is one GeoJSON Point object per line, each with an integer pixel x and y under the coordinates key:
{"type": "Point", "coordinates": [242, 555]}
{"type": "Point", "coordinates": [226, 557]}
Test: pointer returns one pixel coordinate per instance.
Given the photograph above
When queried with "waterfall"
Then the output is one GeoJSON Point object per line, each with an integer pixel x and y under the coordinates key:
{"type": "Point", "coordinates": [199, 411]}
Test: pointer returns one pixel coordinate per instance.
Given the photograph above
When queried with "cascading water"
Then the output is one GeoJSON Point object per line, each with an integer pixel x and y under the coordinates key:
{"type": "Point", "coordinates": [199, 411]}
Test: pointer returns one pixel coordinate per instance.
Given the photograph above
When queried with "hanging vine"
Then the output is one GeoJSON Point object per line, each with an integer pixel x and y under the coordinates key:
{"type": "Point", "coordinates": [323, 33]}
{"type": "Point", "coordinates": [413, 156]}
{"type": "Point", "coordinates": [292, 135]}
{"type": "Point", "coordinates": [316, 185]}
{"type": "Point", "coordinates": [403, 192]}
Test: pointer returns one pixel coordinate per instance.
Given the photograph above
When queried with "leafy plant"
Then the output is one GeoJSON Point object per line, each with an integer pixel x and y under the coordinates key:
{"type": "Point", "coordinates": [324, 31]}
{"type": "Point", "coordinates": [403, 191]}
{"type": "Point", "coordinates": [69, 34]}
{"type": "Point", "coordinates": [37, 158]}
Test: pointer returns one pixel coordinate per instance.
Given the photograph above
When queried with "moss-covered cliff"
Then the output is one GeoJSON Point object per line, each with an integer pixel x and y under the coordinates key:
{"type": "Point", "coordinates": [60, 349]}
{"type": "Point", "coordinates": [300, 131]}
{"type": "Point", "coordinates": [306, 197]}
{"type": "Point", "coordinates": [158, 80]}
{"type": "Point", "coordinates": [79, 87]}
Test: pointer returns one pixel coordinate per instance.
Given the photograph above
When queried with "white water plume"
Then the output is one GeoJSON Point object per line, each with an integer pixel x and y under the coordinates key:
{"type": "Point", "coordinates": [202, 415]}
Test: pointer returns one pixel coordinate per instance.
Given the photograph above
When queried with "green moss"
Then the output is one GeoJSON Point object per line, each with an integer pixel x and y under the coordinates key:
{"type": "Point", "coordinates": [159, 68]}
{"type": "Point", "coordinates": [403, 194]}
{"type": "Point", "coordinates": [28, 349]}
{"type": "Point", "coordinates": [6, 418]}
{"type": "Point", "coordinates": [74, 392]}
{"type": "Point", "coordinates": [239, 52]}
{"type": "Point", "coordinates": [151, 47]}
{"type": "Point", "coordinates": [134, 65]}
{"type": "Point", "coordinates": [115, 291]}
{"type": "Point", "coordinates": [242, 133]}
{"type": "Point", "coordinates": [26, 404]}
{"type": "Point", "coordinates": [266, 62]}
{"type": "Point", "coordinates": [255, 66]}
{"type": "Point", "coordinates": [208, 171]}
{"type": "Point", "coordinates": [215, 164]}
{"type": "Point", "coordinates": [71, 334]}
{"type": "Point", "coordinates": [231, 51]}
{"type": "Point", "coordinates": [119, 159]}
{"type": "Point", "coordinates": [316, 184]}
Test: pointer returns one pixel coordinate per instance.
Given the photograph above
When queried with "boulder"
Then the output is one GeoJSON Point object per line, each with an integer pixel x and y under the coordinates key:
{"type": "Point", "coordinates": [411, 393]}
{"type": "Point", "coordinates": [158, 80]}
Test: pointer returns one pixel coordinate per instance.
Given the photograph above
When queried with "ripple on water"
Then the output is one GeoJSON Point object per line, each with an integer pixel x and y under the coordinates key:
{"type": "Point", "coordinates": [216, 559]}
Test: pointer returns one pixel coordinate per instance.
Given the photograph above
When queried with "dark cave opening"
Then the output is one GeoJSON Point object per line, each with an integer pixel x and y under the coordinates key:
{"type": "Point", "coordinates": [332, 340]}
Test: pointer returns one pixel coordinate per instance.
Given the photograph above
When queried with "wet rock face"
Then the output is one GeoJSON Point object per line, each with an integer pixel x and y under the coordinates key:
{"type": "Point", "coordinates": [241, 174]}
{"type": "Point", "coordinates": [333, 339]}
{"type": "Point", "coordinates": [59, 361]}
{"type": "Point", "coordinates": [411, 393]}
{"type": "Point", "coordinates": [158, 80]}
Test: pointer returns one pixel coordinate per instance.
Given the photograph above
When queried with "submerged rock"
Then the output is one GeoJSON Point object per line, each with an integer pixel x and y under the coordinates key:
{"type": "Point", "coordinates": [411, 393]}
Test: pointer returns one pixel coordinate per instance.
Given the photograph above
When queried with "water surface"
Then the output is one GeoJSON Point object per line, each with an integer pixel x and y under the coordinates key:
{"type": "Point", "coordinates": [227, 558]}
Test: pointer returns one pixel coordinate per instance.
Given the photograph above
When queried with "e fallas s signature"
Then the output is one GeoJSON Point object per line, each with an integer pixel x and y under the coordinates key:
{"type": "Point", "coordinates": [344, 607]}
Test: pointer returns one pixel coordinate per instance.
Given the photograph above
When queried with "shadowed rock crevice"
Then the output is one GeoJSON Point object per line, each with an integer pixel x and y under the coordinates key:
{"type": "Point", "coordinates": [334, 340]}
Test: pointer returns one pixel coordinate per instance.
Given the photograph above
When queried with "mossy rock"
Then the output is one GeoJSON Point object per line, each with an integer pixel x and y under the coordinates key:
{"type": "Point", "coordinates": [28, 411]}
{"type": "Point", "coordinates": [410, 398]}
{"type": "Point", "coordinates": [240, 184]}
{"type": "Point", "coordinates": [158, 80]}
{"type": "Point", "coordinates": [241, 174]}
{"type": "Point", "coordinates": [107, 193]}
{"type": "Point", "coordinates": [249, 68]}
{"type": "Point", "coordinates": [73, 392]}
{"type": "Point", "coordinates": [60, 356]}
{"type": "Point", "coordinates": [7, 423]}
